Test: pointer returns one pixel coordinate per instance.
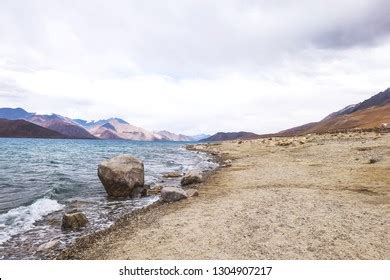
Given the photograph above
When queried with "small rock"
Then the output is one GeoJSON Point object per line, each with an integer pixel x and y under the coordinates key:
{"type": "Point", "coordinates": [172, 175]}
{"type": "Point", "coordinates": [385, 125]}
{"type": "Point", "coordinates": [192, 177]}
{"type": "Point", "coordinates": [284, 143]}
{"type": "Point", "coordinates": [192, 193]}
{"type": "Point", "coordinates": [171, 194]}
{"type": "Point", "coordinates": [373, 160]}
{"type": "Point", "coordinates": [154, 190]}
{"type": "Point", "coordinates": [227, 163]}
{"type": "Point", "coordinates": [74, 220]}
{"type": "Point", "coordinates": [49, 245]}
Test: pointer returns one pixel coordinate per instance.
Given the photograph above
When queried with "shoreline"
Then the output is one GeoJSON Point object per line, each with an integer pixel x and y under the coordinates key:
{"type": "Point", "coordinates": [45, 239]}
{"type": "Point", "coordinates": [281, 199]}
{"type": "Point", "coordinates": [88, 239]}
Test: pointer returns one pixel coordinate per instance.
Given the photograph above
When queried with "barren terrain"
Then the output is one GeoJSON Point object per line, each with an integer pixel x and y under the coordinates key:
{"type": "Point", "coordinates": [313, 197]}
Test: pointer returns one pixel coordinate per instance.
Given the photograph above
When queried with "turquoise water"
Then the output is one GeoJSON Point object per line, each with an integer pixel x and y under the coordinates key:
{"type": "Point", "coordinates": [42, 178]}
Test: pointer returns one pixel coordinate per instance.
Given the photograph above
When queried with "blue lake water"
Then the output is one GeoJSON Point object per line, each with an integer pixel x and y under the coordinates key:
{"type": "Point", "coordinates": [40, 179]}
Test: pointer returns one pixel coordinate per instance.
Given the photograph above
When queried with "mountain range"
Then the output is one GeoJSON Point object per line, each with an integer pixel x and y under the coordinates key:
{"type": "Point", "coordinates": [370, 113]}
{"type": "Point", "coordinates": [113, 128]}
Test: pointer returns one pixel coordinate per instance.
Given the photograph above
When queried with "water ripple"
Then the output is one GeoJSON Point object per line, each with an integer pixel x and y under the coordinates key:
{"type": "Point", "coordinates": [37, 175]}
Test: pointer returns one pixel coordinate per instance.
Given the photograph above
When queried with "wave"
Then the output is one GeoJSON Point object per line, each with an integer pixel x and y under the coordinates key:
{"type": "Point", "coordinates": [22, 219]}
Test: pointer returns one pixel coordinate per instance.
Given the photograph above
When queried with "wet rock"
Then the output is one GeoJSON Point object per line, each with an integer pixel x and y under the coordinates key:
{"type": "Point", "coordinates": [139, 192]}
{"type": "Point", "coordinates": [192, 193]}
{"type": "Point", "coordinates": [171, 194]}
{"type": "Point", "coordinates": [49, 245]}
{"type": "Point", "coordinates": [192, 177]}
{"type": "Point", "coordinates": [121, 175]}
{"type": "Point", "coordinates": [172, 175]}
{"type": "Point", "coordinates": [74, 220]}
{"type": "Point", "coordinates": [154, 190]}
{"type": "Point", "coordinates": [54, 221]}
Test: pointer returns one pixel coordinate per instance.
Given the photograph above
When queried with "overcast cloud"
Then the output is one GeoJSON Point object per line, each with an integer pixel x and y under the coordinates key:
{"type": "Point", "coordinates": [193, 66]}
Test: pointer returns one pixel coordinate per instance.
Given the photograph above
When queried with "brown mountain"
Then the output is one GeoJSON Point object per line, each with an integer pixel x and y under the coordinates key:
{"type": "Point", "coordinates": [226, 136]}
{"type": "Point", "coordinates": [62, 125]}
{"type": "Point", "coordinates": [371, 113]}
{"type": "Point", "coordinates": [25, 129]}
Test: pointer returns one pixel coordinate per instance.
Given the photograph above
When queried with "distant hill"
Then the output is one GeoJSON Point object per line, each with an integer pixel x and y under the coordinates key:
{"type": "Point", "coordinates": [70, 130]}
{"type": "Point", "coordinates": [379, 99]}
{"type": "Point", "coordinates": [88, 125]}
{"type": "Point", "coordinates": [25, 129]}
{"type": "Point", "coordinates": [14, 114]}
{"type": "Point", "coordinates": [62, 125]}
{"type": "Point", "coordinates": [370, 113]}
{"type": "Point", "coordinates": [93, 124]}
{"type": "Point", "coordinates": [117, 128]}
{"type": "Point", "coordinates": [225, 136]}
{"type": "Point", "coordinates": [199, 137]}
{"type": "Point", "coordinates": [169, 136]}
{"type": "Point", "coordinates": [113, 128]}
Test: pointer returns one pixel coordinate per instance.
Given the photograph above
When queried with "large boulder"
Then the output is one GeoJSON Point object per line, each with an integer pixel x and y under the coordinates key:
{"type": "Point", "coordinates": [192, 177]}
{"type": "Point", "coordinates": [74, 220]}
{"type": "Point", "coordinates": [171, 194]}
{"type": "Point", "coordinates": [122, 175]}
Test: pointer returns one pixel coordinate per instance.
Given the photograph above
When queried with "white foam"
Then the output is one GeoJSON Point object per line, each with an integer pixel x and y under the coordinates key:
{"type": "Point", "coordinates": [21, 219]}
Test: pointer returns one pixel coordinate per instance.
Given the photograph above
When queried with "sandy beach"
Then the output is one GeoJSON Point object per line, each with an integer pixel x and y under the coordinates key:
{"type": "Point", "coordinates": [314, 197]}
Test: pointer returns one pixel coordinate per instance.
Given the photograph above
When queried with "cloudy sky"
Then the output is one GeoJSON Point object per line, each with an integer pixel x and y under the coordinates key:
{"type": "Point", "coordinates": [193, 66]}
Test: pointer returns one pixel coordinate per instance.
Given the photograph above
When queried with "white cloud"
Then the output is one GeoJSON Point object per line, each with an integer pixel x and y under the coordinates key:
{"type": "Point", "coordinates": [193, 66]}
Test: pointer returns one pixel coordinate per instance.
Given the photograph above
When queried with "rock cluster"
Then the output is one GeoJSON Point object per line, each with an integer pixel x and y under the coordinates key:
{"type": "Point", "coordinates": [123, 176]}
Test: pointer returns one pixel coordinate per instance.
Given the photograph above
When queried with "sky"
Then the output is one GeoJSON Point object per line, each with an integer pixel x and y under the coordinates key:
{"type": "Point", "coordinates": [193, 66]}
